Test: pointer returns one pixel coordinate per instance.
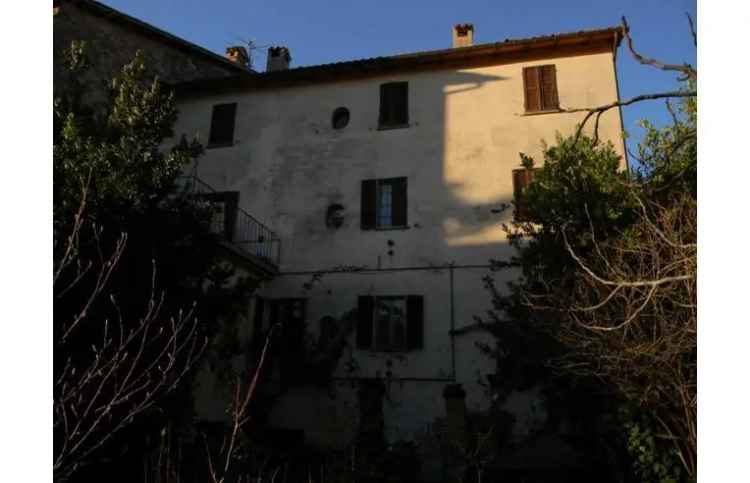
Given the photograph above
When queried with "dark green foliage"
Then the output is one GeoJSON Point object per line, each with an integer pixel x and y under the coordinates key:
{"type": "Point", "coordinates": [115, 174]}
{"type": "Point", "coordinates": [623, 228]}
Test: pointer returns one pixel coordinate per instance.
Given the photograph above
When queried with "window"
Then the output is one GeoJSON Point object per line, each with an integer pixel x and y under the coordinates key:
{"type": "Point", "coordinates": [383, 203]}
{"type": "Point", "coordinates": [540, 88]}
{"type": "Point", "coordinates": [394, 105]}
{"type": "Point", "coordinates": [522, 178]}
{"type": "Point", "coordinates": [222, 125]}
{"type": "Point", "coordinates": [340, 118]}
{"type": "Point", "coordinates": [390, 324]}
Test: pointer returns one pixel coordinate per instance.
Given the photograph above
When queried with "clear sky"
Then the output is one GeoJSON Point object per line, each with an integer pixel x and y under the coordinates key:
{"type": "Point", "coordinates": [323, 31]}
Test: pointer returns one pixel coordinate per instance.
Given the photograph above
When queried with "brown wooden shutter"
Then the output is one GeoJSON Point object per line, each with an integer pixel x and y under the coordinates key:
{"type": "Point", "coordinates": [222, 124]}
{"type": "Point", "coordinates": [532, 94]}
{"type": "Point", "coordinates": [415, 323]}
{"type": "Point", "coordinates": [521, 180]}
{"type": "Point", "coordinates": [365, 312]}
{"type": "Point", "coordinates": [399, 207]}
{"type": "Point", "coordinates": [549, 87]}
{"type": "Point", "coordinates": [367, 207]}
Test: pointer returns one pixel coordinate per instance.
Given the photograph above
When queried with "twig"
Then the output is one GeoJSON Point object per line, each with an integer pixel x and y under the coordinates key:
{"type": "Point", "coordinates": [686, 69]}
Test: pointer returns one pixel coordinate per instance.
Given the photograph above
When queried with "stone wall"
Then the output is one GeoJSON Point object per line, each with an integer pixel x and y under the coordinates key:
{"type": "Point", "coordinates": [111, 44]}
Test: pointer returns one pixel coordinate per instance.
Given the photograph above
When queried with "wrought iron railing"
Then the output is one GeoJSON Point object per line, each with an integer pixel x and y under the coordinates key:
{"type": "Point", "coordinates": [234, 225]}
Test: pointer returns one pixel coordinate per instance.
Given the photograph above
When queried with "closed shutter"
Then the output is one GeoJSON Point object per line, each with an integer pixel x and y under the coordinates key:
{"type": "Point", "coordinates": [258, 334]}
{"type": "Point", "coordinates": [367, 208]}
{"type": "Point", "coordinates": [222, 124]}
{"type": "Point", "coordinates": [365, 309]}
{"type": "Point", "coordinates": [231, 199]}
{"type": "Point", "coordinates": [549, 87]}
{"type": "Point", "coordinates": [531, 85]}
{"type": "Point", "coordinates": [399, 206]}
{"type": "Point", "coordinates": [401, 103]}
{"type": "Point", "coordinates": [385, 105]}
{"type": "Point", "coordinates": [521, 180]}
{"type": "Point", "coordinates": [415, 324]}
{"type": "Point", "coordinates": [394, 104]}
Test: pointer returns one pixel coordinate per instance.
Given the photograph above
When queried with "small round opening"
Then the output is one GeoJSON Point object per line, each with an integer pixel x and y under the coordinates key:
{"type": "Point", "coordinates": [340, 118]}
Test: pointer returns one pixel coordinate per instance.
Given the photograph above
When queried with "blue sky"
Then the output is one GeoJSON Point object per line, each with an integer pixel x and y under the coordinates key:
{"type": "Point", "coordinates": [323, 31]}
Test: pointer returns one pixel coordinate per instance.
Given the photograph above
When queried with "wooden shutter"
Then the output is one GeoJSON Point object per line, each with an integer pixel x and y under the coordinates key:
{"type": "Point", "coordinates": [222, 124]}
{"type": "Point", "coordinates": [231, 200]}
{"type": "Point", "coordinates": [521, 180]}
{"type": "Point", "coordinates": [399, 206]}
{"type": "Point", "coordinates": [531, 88]}
{"type": "Point", "coordinates": [274, 313]}
{"type": "Point", "coordinates": [394, 104]}
{"type": "Point", "coordinates": [549, 87]}
{"type": "Point", "coordinates": [385, 105]}
{"type": "Point", "coordinates": [415, 322]}
{"type": "Point", "coordinates": [258, 334]}
{"type": "Point", "coordinates": [365, 312]}
{"type": "Point", "coordinates": [368, 208]}
{"type": "Point", "coordinates": [401, 103]}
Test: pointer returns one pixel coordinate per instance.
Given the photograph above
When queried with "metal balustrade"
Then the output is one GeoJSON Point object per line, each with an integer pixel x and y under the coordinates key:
{"type": "Point", "coordinates": [234, 225]}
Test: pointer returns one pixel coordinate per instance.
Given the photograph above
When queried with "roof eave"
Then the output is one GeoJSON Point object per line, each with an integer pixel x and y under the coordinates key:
{"type": "Point", "coordinates": [489, 54]}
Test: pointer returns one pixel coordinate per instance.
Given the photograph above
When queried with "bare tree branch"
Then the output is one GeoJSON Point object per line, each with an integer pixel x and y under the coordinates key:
{"type": "Point", "coordinates": [692, 29]}
{"type": "Point", "coordinates": [686, 69]}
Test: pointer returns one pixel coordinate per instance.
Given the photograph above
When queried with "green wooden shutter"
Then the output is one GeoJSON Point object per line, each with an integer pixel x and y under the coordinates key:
{"type": "Point", "coordinates": [365, 312]}
{"type": "Point", "coordinates": [532, 94]}
{"type": "Point", "coordinates": [399, 206]}
{"type": "Point", "coordinates": [367, 207]}
{"type": "Point", "coordinates": [415, 323]}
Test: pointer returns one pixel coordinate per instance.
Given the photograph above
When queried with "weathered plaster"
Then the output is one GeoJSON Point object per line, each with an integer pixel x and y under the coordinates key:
{"type": "Point", "coordinates": [466, 130]}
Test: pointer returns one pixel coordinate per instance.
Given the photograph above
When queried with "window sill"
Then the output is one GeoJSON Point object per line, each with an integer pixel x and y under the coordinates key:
{"type": "Point", "coordinates": [538, 113]}
{"type": "Point", "coordinates": [388, 127]}
{"type": "Point", "coordinates": [219, 145]}
{"type": "Point", "coordinates": [391, 228]}
{"type": "Point", "coordinates": [390, 351]}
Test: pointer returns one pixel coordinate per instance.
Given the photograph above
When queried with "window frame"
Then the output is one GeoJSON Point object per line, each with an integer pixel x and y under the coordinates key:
{"type": "Point", "coordinates": [227, 140]}
{"type": "Point", "coordinates": [399, 207]}
{"type": "Point", "coordinates": [367, 330]}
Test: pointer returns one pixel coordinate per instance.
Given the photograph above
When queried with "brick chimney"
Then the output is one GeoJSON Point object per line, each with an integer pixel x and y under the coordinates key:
{"type": "Point", "coordinates": [238, 55]}
{"type": "Point", "coordinates": [463, 35]}
{"type": "Point", "coordinates": [278, 59]}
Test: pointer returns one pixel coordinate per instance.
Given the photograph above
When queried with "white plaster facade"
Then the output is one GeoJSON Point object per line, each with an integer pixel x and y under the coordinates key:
{"type": "Point", "coordinates": [466, 128]}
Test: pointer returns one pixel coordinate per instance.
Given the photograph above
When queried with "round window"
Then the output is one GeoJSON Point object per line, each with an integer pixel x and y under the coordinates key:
{"type": "Point", "coordinates": [340, 118]}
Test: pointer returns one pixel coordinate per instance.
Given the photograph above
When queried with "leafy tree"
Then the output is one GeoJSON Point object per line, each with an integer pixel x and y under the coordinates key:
{"type": "Point", "coordinates": [140, 282]}
{"type": "Point", "coordinates": [608, 276]}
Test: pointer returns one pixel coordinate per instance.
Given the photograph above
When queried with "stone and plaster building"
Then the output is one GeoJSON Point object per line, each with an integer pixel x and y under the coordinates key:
{"type": "Point", "coordinates": [112, 39]}
{"type": "Point", "coordinates": [383, 179]}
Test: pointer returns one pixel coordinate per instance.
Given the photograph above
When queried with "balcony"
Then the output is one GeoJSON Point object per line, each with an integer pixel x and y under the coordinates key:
{"type": "Point", "coordinates": [237, 230]}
